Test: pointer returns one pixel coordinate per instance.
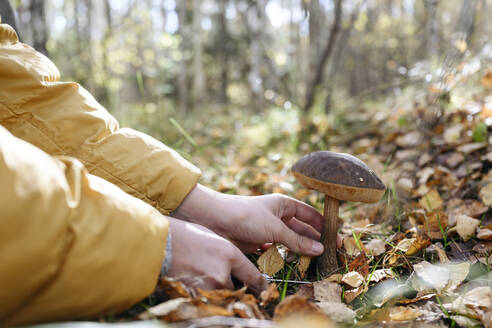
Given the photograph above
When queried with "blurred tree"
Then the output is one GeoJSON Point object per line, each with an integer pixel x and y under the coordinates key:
{"type": "Point", "coordinates": [7, 14]}
{"type": "Point", "coordinates": [39, 27]}
{"type": "Point", "coordinates": [198, 74]}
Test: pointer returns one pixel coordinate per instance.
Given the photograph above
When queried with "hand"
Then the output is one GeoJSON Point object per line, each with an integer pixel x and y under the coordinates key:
{"type": "Point", "coordinates": [198, 252]}
{"type": "Point", "coordinates": [250, 221]}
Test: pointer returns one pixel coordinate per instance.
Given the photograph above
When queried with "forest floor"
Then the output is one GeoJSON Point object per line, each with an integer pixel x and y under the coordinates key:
{"type": "Point", "coordinates": [418, 257]}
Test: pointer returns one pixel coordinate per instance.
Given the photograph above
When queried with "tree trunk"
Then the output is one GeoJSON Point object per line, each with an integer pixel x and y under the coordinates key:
{"type": "Point", "coordinates": [337, 58]}
{"type": "Point", "coordinates": [328, 50]}
{"type": "Point", "coordinates": [8, 15]}
{"type": "Point", "coordinates": [198, 75]}
{"type": "Point", "coordinates": [432, 31]}
{"type": "Point", "coordinates": [182, 77]}
{"type": "Point", "coordinates": [223, 42]}
{"type": "Point", "coordinates": [38, 24]}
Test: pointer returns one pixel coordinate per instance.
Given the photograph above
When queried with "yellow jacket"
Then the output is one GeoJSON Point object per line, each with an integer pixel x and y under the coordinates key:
{"type": "Point", "coordinates": [74, 243]}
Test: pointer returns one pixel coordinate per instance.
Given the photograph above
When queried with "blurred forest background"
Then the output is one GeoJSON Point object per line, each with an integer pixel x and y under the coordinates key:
{"type": "Point", "coordinates": [195, 73]}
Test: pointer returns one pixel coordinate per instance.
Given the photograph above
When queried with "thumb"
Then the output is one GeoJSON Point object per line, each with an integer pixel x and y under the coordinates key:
{"type": "Point", "coordinates": [296, 242]}
{"type": "Point", "coordinates": [244, 270]}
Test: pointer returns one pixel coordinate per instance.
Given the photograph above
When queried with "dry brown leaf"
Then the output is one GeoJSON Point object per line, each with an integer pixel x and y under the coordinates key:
{"type": "Point", "coordinates": [471, 147]}
{"type": "Point", "coordinates": [350, 246]}
{"type": "Point", "coordinates": [403, 313]}
{"type": "Point", "coordinates": [268, 295]}
{"type": "Point", "coordinates": [352, 279]}
{"type": "Point", "coordinates": [419, 243]}
{"type": "Point", "coordinates": [306, 290]}
{"type": "Point", "coordinates": [452, 134]}
{"type": "Point", "coordinates": [171, 288]}
{"type": "Point", "coordinates": [295, 305]}
{"type": "Point", "coordinates": [222, 297]}
{"type": "Point", "coordinates": [375, 247]}
{"type": "Point", "coordinates": [486, 80]}
{"type": "Point", "coordinates": [470, 207]}
{"type": "Point", "coordinates": [360, 265]}
{"type": "Point", "coordinates": [336, 277]}
{"type": "Point", "coordinates": [252, 304]}
{"type": "Point", "coordinates": [433, 223]}
{"type": "Point", "coordinates": [484, 248]}
{"type": "Point", "coordinates": [270, 262]}
{"type": "Point", "coordinates": [431, 201]}
{"type": "Point", "coordinates": [441, 253]}
{"type": "Point", "coordinates": [352, 294]}
{"type": "Point", "coordinates": [325, 291]}
{"type": "Point", "coordinates": [410, 139]}
{"type": "Point", "coordinates": [181, 309]}
{"type": "Point", "coordinates": [484, 234]}
{"type": "Point", "coordinates": [466, 226]}
{"type": "Point", "coordinates": [303, 265]}
{"type": "Point", "coordinates": [424, 174]}
{"type": "Point", "coordinates": [486, 194]}
{"type": "Point", "coordinates": [476, 303]}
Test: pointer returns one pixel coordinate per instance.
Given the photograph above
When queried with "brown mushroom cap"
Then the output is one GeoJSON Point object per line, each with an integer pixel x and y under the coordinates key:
{"type": "Point", "coordinates": [341, 176]}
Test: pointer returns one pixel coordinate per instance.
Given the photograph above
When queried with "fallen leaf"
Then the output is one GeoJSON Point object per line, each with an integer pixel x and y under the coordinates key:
{"type": "Point", "coordinates": [425, 174]}
{"type": "Point", "coordinates": [337, 312]}
{"type": "Point", "coordinates": [352, 279]}
{"type": "Point", "coordinates": [454, 160]}
{"type": "Point", "coordinates": [381, 274]}
{"type": "Point", "coordinates": [295, 305]}
{"type": "Point", "coordinates": [484, 234]}
{"type": "Point", "coordinates": [375, 247]}
{"type": "Point", "coordinates": [268, 295]}
{"type": "Point", "coordinates": [471, 147]}
{"type": "Point", "coordinates": [403, 313]}
{"type": "Point", "coordinates": [181, 309]}
{"type": "Point", "coordinates": [486, 80]}
{"type": "Point", "coordinates": [486, 194]}
{"type": "Point", "coordinates": [419, 243]}
{"type": "Point", "coordinates": [360, 265]}
{"type": "Point", "coordinates": [431, 201]}
{"type": "Point", "coordinates": [270, 262]}
{"type": "Point", "coordinates": [171, 288]}
{"type": "Point", "coordinates": [452, 134]}
{"type": "Point", "coordinates": [350, 246]}
{"type": "Point", "coordinates": [484, 248]}
{"type": "Point", "coordinates": [309, 320]}
{"type": "Point", "coordinates": [470, 207]}
{"type": "Point", "coordinates": [352, 294]}
{"type": "Point", "coordinates": [327, 291]}
{"type": "Point", "coordinates": [251, 303]}
{"type": "Point", "coordinates": [441, 278]}
{"type": "Point", "coordinates": [303, 265]}
{"type": "Point", "coordinates": [410, 139]}
{"type": "Point", "coordinates": [476, 303]}
{"type": "Point", "coordinates": [466, 226]}
{"type": "Point", "coordinates": [441, 253]}
{"type": "Point", "coordinates": [222, 297]}
{"type": "Point", "coordinates": [306, 290]}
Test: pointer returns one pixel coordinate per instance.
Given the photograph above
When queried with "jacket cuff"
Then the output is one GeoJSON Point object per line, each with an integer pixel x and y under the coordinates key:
{"type": "Point", "coordinates": [166, 264]}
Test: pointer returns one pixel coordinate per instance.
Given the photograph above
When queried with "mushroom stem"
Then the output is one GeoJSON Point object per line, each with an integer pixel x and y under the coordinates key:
{"type": "Point", "coordinates": [327, 262]}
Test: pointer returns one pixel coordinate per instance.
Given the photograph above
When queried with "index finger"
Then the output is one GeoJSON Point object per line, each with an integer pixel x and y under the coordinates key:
{"type": "Point", "coordinates": [244, 270]}
{"type": "Point", "coordinates": [302, 212]}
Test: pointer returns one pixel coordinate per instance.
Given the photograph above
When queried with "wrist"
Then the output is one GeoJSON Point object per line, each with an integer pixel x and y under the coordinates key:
{"type": "Point", "coordinates": [198, 205]}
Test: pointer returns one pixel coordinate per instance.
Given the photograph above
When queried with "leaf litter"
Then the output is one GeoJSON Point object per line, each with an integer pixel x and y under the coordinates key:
{"type": "Point", "coordinates": [420, 255]}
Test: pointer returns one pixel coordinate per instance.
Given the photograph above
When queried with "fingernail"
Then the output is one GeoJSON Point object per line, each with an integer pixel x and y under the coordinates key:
{"type": "Point", "coordinates": [317, 248]}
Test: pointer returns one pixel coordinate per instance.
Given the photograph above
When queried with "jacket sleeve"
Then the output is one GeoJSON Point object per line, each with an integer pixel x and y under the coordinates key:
{"type": "Point", "coordinates": [71, 244]}
{"type": "Point", "coordinates": [64, 119]}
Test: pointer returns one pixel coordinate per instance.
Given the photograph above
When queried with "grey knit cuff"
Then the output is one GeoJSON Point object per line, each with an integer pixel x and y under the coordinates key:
{"type": "Point", "coordinates": [166, 265]}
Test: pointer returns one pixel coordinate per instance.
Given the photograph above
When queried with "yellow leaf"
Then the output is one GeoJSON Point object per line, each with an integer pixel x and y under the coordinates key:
{"type": "Point", "coordinates": [271, 261]}
{"type": "Point", "coordinates": [431, 201]}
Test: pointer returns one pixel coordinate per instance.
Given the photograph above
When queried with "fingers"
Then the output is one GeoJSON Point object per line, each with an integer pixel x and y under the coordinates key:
{"type": "Point", "coordinates": [303, 212]}
{"type": "Point", "coordinates": [303, 229]}
{"type": "Point", "coordinates": [296, 242]}
{"type": "Point", "coordinates": [244, 270]}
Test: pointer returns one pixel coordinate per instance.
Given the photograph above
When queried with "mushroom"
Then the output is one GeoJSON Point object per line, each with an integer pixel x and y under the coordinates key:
{"type": "Point", "coordinates": [340, 177]}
